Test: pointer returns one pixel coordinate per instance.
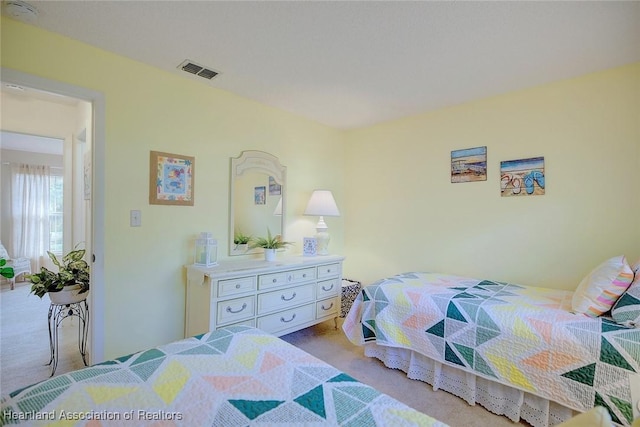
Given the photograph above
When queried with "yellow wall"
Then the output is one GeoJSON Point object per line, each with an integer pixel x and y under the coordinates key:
{"type": "Point", "coordinates": [403, 214]}
{"type": "Point", "coordinates": [148, 109]}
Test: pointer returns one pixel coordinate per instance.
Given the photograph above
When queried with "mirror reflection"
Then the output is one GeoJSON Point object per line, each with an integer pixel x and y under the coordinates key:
{"type": "Point", "coordinates": [257, 198]}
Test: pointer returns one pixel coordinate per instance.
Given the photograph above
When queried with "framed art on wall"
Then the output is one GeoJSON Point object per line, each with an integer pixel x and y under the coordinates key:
{"type": "Point", "coordinates": [260, 195]}
{"type": "Point", "coordinates": [469, 165]}
{"type": "Point", "coordinates": [522, 177]}
{"type": "Point", "coordinates": [171, 179]}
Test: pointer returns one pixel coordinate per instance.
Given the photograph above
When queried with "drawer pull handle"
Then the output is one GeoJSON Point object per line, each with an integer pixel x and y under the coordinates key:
{"type": "Point", "coordinates": [327, 290]}
{"type": "Point", "coordinates": [289, 278]}
{"type": "Point", "coordinates": [304, 275]}
{"type": "Point", "coordinates": [275, 280]}
{"type": "Point", "coordinates": [229, 310]}
{"type": "Point", "coordinates": [328, 270]}
{"type": "Point", "coordinates": [282, 297]}
{"type": "Point", "coordinates": [238, 286]}
{"type": "Point", "coordinates": [327, 308]}
{"type": "Point", "coordinates": [287, 321]}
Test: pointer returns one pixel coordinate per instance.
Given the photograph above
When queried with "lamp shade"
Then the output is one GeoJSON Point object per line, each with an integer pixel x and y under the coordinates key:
{"type": "Point", "coordinates": [322, 203]}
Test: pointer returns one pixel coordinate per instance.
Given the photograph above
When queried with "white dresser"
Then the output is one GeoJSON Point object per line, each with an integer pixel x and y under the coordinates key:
{"type": "Point", "coordinates": [278, 297]}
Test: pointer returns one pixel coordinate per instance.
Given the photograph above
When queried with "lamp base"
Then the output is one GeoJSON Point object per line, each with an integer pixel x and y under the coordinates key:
{"type": "Point", "coordinates": [322, 242]}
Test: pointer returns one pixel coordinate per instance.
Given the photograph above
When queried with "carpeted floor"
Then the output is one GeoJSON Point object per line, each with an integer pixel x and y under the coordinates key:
{"type": "Point", "coordinates": [24, 339]}
{"type": "Point", "coordinates": [24, 352]}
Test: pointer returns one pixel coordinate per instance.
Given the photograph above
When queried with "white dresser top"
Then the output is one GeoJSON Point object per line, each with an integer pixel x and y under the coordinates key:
{"type": "Point", "coordinates": [254, 266]}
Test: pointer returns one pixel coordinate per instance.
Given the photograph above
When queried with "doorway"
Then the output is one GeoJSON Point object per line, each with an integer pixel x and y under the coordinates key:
{"type": "Point", "coordinates": [95, 218]}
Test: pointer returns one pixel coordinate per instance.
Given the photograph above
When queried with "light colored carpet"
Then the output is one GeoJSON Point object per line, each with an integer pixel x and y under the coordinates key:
{"type": "Point", "coordinates": [331, 345]}
{"type": "Point", "coordinates": [24, 340]}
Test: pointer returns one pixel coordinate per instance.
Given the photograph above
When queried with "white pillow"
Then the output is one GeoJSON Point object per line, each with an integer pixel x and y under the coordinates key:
{"type": "Point", "coordinates": [626, 310]}
{"type": "Point", "coordinates": [601, 288]}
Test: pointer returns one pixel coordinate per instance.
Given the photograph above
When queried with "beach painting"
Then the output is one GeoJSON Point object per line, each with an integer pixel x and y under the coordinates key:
{"type": "Point", "coordinates": [524, 177]}
{"type": "Point", "coordinates": [469, 165]}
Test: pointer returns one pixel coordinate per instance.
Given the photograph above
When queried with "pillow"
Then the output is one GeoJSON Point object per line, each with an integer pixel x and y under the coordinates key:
{"type": "Point", "coordinates": [626, 311]}
{"type": "Point", "coordinates": [600, 289]}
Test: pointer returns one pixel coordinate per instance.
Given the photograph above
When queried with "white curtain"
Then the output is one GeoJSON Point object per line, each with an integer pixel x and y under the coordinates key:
{"type": "Point", "coordinates": [30, 212]}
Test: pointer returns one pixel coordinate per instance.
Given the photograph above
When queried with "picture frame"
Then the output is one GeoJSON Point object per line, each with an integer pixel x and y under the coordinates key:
{"type": "Point", "coordinates": [522, 177]}
{"type": "Point", "coordinates": [260, 195]}
{"type": "Point", "coordinates": [309, 246]}
{"type": "Point", "coordinates": [469, 165]}
{"type": "Point", "coordinates": [171, 179]}
{"type": "Point", "coordinates": [275, 189]}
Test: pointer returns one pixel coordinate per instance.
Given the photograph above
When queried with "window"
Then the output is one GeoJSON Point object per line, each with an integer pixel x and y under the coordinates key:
{"type": "Point", "coordinates": [55, 214]}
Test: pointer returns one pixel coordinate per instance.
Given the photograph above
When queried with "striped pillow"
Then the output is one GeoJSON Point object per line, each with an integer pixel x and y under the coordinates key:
{"type": "Point", "coordinates": [601, 288]}
{"type": "Point", "coordinates": [626, 310]}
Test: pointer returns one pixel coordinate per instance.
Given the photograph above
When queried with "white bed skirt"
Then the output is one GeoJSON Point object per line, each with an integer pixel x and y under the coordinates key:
{"type": "Point", "coordinates": [497, 398]}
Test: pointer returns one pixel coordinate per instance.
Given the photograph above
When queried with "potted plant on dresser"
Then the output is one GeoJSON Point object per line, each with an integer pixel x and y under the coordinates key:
{"type": "Point", "coordinates": [69, 285]}
{"type": "Point", "coordinates": [270, 244]}
{"type": "Point", "coordinates": [241, 240]}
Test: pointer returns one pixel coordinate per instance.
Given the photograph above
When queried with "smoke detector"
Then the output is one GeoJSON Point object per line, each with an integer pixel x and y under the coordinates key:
{"type": "Point", "coordinates": [198, 70]}
{"type": "Point", "coordinates": [20, 10]}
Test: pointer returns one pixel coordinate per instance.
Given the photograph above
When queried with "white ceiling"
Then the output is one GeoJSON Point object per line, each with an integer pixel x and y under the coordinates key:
{"type": "Point", "coordinates": [349, 64]}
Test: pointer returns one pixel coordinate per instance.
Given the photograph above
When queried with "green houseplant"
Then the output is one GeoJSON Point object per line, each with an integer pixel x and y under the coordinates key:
{"type": "Point", "coordinates": [6, 272]}
{"type": "Point", "coordinates": [239, 238]}
{"type": "Point", "coordinates": [72, 275]}
{"type": "Point", "coordinates": [269, 244]}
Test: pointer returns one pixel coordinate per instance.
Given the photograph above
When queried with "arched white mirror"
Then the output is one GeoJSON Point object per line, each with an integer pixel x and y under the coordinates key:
{"type": "Point", "coordinates": [257, 199]}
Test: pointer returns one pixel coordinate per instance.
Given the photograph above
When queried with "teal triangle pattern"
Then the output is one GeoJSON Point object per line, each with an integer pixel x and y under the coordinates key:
{"type": "Point", "coordinates": [482, 366]}
{"type": "Point", "coordinates": [313, 401]}
{"type": "Point", "coordinates": [46, 386]}
{"type": "Point", "coordinates": [454, 313]}
{"type": "Point", "coordinates": [470, 308]}
{"type": "Point", "coordinates": [222, 344]}
{"type": "Point", "coordinates": [91, 372]}
{"type": "Point", "coordinates": [608, 326]}
{"type": "Point", "coordinates": [36, 403]}
{"type": "Point", "coordinates": [466, 352]}
{"type": "Point", "coordinates": [346, 405]}
{"type": "Point", "coordinates": [365, 296]}
{"type": "Point", "coordinates": [201, 349]}
{"type": "Point", "coordinates": [342, 378]}
{"type": "Point", "coordinates": [145, 370]}
{"type": "Point", "coordinates": [483, 335]}
{"type": "Point", "coordinates": [457, 288]}
{"type": "Point", "coordinates": [148, 355]}
{"type": "Point", "coordinates": [624, 407]}
{"type": "Point", "coordinates": [252, 409]}
{"type": "Point", "coordinates": [301, 382]}
{"type": "Point", "coordinates": [125, 358]}
{"type": "Point", "coordinates": [364, 418]}
{"type": "Point", "coordinates": [609, 354]}
{"type": "Point", "coordinates": [626, 300]}
{"type": "Point", "coordinates": [584, 375]}
{"type": "Point", "coordinates": [368, 330]}
{"type": "Point", "coordinates": [631, 347]}
{"type": "Point", "coordinates": [464, 295]}
{"type": "Point", "coordinates": [485, 321]}
{"type": "Point", "coordinates": [450, 356]}
{"type": "Point", "coordinates": [437, 329]}
{"type": "Point", "coordinates": [599, 401]}
{"type": "Point", "coordinates": [362, 393]}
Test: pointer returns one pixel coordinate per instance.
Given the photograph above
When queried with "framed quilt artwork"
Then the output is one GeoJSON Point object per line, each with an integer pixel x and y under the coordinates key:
{"type": "Point", "coordinates": [309, 246]}
{"type": "Point", "coordinates": [171, 179]}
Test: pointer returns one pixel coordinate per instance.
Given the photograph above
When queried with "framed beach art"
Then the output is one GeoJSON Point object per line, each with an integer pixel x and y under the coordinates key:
{"type": "Point", "coordinates": [171, 179]}
{"type": "Point", "coordinates": [523, 177]}
{"type": "Point", "coordinates": [469, 164]}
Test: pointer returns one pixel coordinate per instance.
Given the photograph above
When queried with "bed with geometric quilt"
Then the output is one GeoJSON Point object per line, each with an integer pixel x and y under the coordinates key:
{"type": "Point", "coordinates": [517, 350]}
{"type": "Point", "coordinates": [234, 376]}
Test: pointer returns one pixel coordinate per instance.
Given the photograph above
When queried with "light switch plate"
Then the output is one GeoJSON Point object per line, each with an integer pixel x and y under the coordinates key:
{"type": "Point", "coordinates": [135, 218]}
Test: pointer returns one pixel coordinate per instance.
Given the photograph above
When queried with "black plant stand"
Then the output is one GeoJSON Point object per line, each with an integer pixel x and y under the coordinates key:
{"type": "Point", "coordinates": [59, 312]}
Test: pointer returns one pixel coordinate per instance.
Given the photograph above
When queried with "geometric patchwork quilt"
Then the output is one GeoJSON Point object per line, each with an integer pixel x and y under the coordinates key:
{"type": "Point", "coordinates": [235, 376]}
{"type": "Point", "coordinates": [523, 337]}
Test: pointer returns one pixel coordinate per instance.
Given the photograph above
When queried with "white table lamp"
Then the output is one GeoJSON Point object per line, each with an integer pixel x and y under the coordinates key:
{"type": "Point", "coordinates": [323, 204]}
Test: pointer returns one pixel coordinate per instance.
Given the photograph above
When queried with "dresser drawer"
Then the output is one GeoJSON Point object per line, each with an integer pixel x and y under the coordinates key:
{"type": "Point", "coordinates": [236, 286]}
{"type": "Point", "coordinates": [277, 322]}
{"type": "Point", "coordinates": [285, 298]}
{"type": "Point", "coordinates": [328, 270]}
{"type": "Point", "coordinates": [268, 281]}
{"type": "Point", "coordinates": [328, 288]}
{"type": "Point", "coordinates": [235, 309]}
{"type": "Point", "coordinates": [328, 307]}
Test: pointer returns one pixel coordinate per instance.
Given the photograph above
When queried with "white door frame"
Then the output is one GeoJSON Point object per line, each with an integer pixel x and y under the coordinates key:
{"type": "Point", "coordinates": [97, 294]}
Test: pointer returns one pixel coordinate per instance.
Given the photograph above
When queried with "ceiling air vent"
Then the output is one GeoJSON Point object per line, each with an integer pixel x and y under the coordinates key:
{"type": "Point", "coordinates": [198, 70]}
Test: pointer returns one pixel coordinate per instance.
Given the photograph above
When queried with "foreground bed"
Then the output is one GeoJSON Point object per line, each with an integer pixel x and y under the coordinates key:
{"type": "Point", "coordinates": [518, 351]}
{"type": "Point", "coordinates": [235, 376]}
